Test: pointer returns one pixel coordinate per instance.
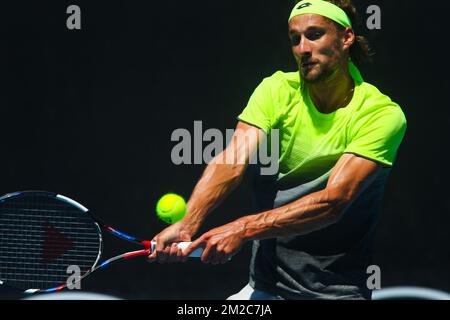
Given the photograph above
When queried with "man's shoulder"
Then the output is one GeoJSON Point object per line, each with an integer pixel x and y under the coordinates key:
{"type": "Point", "coordinates": [374, 99]}
{"type": "Point", "coordinates": [376, 104]}
{"type": "Point", "coordinates": [283, 80]}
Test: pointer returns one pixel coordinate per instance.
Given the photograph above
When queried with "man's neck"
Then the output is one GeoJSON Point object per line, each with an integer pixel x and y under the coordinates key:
{"type": "Point", "coordinates": [333, 93]}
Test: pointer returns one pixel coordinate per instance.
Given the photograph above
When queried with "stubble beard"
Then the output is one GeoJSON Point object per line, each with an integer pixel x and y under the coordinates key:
{"type": "Point", "coordinates": [318, 76]}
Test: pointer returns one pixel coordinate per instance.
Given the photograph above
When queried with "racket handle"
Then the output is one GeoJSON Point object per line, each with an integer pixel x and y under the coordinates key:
{"type": "Point", "coordinates": [197, 253]}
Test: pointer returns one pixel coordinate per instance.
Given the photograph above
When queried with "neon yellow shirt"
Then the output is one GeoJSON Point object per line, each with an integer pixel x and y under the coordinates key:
{"type": "Point", "coordinates": [372, 126]}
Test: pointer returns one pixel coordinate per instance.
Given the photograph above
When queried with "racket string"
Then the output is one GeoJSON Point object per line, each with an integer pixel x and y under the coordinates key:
{"type": "Point", "coordinates": [40, 237]}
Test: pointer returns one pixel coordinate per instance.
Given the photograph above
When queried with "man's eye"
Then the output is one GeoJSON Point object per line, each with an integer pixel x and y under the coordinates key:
{"type": "Point", "coordinates": [314, 35]}
{"type": "Point", "coordinates": [295, 40]}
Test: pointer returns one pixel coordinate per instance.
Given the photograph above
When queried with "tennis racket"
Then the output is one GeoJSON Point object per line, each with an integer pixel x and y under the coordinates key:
{"type": "Point", "coordinates": [43, 233]}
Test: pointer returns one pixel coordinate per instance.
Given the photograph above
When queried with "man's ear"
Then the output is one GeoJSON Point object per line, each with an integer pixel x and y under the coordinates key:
{"type": "Point", "coordinates": [349, 38]}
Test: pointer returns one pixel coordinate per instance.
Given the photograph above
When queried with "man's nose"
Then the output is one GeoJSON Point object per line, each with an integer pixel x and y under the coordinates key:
{"type": "Point", "coordinates": [303, 48]}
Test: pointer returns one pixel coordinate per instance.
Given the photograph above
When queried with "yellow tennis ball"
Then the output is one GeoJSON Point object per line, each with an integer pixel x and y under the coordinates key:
{"type": "Point", "coordinates": [171, 208]}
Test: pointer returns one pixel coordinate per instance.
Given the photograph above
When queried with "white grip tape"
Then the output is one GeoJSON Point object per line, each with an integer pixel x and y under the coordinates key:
{"type": "Point", "coordinates": [197, 253]}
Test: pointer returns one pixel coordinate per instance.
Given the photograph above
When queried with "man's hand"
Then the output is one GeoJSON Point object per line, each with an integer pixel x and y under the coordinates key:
{"type": "Point", "coordinates": [218, 180]}
{"type": "Point", "coordinates": [220, 244]}
{"type": "Point", "coordinates": [166, 250]}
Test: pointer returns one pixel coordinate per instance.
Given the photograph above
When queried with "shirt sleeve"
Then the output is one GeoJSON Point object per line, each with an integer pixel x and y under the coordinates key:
{"type": "Point", "coordinates": [260, 110]}
{"type": "Point", "coordinates": [377, 136]}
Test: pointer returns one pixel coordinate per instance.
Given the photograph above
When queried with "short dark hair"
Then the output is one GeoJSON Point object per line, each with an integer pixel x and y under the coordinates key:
{"type": "Point", "coordinates": [360, 51]}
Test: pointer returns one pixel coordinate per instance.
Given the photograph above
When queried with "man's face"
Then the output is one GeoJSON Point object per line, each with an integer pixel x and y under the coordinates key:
{"type": "Point", "coordinates": [318, 46]}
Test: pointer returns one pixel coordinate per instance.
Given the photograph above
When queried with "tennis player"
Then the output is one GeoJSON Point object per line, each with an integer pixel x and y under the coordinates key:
{"type": "Point", "coordinates": [339, 135]}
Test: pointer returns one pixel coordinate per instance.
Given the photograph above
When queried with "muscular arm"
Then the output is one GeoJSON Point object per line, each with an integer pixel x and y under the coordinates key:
{"type": "Point", "coordinates": [220, 177]}
{"type": "Point", "coordinates": [223, 174]}
{"type": "Point", "coordinates": [350, 176]}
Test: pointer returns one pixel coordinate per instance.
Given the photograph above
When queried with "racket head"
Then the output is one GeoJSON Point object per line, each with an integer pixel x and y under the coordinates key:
{"type": "Point", "coordinates": [41, 235]}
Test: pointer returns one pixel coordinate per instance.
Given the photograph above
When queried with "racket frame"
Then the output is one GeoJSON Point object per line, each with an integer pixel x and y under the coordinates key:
{"type": "Point", "coordinates": [100, 226]}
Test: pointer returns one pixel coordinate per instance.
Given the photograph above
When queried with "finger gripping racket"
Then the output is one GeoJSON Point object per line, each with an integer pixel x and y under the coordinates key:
{"type": "Point", "coordinates": [43, 233]}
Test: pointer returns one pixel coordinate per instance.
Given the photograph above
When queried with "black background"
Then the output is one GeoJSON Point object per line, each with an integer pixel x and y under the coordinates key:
{"type": "Point", "coordinates": [89, 114]}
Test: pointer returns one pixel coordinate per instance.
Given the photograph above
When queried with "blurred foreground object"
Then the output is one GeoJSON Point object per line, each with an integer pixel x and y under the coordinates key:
{"type": "Point", "coordinates": [409, 293]}
{"type": "Point", "coordinates": [71, 296]}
